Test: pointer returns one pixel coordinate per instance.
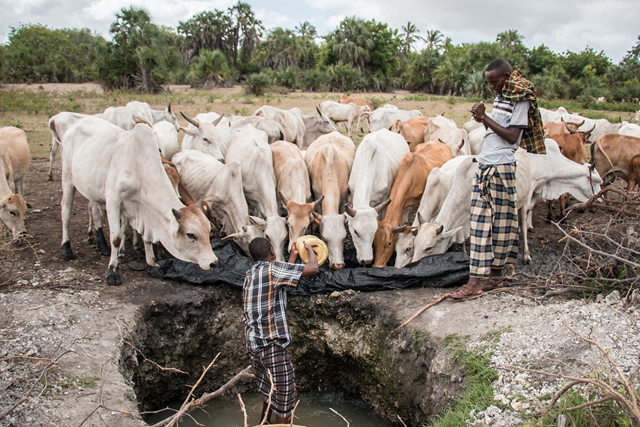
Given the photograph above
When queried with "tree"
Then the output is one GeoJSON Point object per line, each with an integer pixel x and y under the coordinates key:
{"type": "Point", "coordinates": [210, 69]}
{"type": "Point", "coordinates": [306, 30]}
{"type": "Point", "coordinates": [351, 43]}
{"type": "Point", "coordinates": [279, 50]}
{"type": "Point", "coordinates": [410, 38]}
{"type": "Point", "coordinates": [435, 40]}
{"type": "Point", "coordinates": [246, 31]}
{"type": "Point", "coordinates": [509, 38]}
{"type": "Point", "coordinates": [206, 30]}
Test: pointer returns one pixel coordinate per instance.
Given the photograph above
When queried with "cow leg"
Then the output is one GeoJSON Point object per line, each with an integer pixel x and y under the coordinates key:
{"type": "Point", "coordinates": [68, 191]}
{"type": "Point", "coordinates": [116, 236]}
{"type": "Point", "coordinates": [95, 222]}
{"type": "Point", "coordinates": [549, 210]}
{"type": "Point", "coordinates": [349, 128]}
{"type": "Point", "coordinates": [52, 156]}
{"type": "Point", "coordinates": [149, 255]}
{"type": "Point", "coordinates": [522, 220]}
{"type": "Point", "coordinates": [563, 206]}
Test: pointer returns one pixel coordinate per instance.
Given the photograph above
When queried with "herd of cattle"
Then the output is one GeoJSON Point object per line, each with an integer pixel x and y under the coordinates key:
{"type": "Point", "coordinates": [283, 173]}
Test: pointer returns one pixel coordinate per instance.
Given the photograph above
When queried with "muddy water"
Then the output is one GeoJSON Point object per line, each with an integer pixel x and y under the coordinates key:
{"type": "Point", "coordinates": [312, 411]}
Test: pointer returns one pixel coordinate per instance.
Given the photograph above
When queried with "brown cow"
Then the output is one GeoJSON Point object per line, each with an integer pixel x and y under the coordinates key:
{"type": "Point", "coordinates": [14, 164]}
{"type": "Point", "coordinates": [634, 173]}
{"type": "Point", "coordinates": [612, 153]}
{"type": "Point", "coordinates": [411, 130]}
{"type": "Point", "coordinates": [406, 192]}
{"type": "Point", "coordinates": [553, 128]}
{"type": "Point", "coordinates": [358, 101]}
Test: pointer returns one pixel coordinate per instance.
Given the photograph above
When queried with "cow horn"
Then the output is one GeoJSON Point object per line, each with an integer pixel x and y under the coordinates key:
{"type": "Point", "coordinates": [590, 130]}
{"type": "Point", "coordinates": [461, 144]}
{"type": "Point", "coordinates": [580, 124]}
{"type": "Point", "coordinates": [317, 216]}
{"type": "Point", "coordinates": [562, 119]}
{"type": "Point", "coordinates": [439, 229]}
{"type": "Point", "coordinates": [190, 120]}
{"type": "Point", "coordinates": [318, 110]}
{"type": "Point", "coordinates": [400, 228]}
{"type": "Point", "coordinates": [420, 219]}
{"type": "Point", "coordinates": [348, 208]}
{"type": "Point", "coordinates": [216, 121]}
{"type": "Point", "coordinates": [382, 206]}
{"type": "Point", "coordinates": [571, 131]}
{"type": "Point", "coordinates": [169, 107]}
{"type": "Point", "coordinates": [199, 203]}
{"type": "Point", "coordinates": [284, 198]}
{"type": "Point", "coordinates": [441, 141]}
{"type": "Point", "coordinates": [317, 202]}
{"type": "Point", "coordinates": [177, 213]}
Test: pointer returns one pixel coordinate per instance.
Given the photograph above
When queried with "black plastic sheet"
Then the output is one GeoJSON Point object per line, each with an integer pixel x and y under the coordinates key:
{"type": "Point", "coordinates": [437, 271]}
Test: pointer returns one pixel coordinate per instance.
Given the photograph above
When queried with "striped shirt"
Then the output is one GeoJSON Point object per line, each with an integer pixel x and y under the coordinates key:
{"type": "Point", "coordinates": [495, 150]}
{"type": "Point", "coordinates": [265, 303]}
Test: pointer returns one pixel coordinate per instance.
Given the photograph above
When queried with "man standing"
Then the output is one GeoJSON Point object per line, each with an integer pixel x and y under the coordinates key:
{"type": "Point", "coordinates": [265, 324]}
{"type": "Point", "coordinates": [515, 120]}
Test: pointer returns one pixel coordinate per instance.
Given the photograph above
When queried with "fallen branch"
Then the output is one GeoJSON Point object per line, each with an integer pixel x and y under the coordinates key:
{"type": "Point", "coordinates": [343, 418]}
{"type": "Point", "coordinates": [442, 298]}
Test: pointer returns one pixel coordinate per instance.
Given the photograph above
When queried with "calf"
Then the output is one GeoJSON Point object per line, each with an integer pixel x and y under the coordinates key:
{"type": "Point", "coordinates": [342, 113]}
{"type": "Point", "coordinates": [412, 130]}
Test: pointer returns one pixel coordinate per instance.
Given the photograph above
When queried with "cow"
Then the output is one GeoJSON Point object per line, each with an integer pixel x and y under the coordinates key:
{"type": "Point", "coordinates": [208, 133]}
{"type": "Point", "coordinates": [374, 167]}
{"type": "Point", "coordinates": [435, 191]}
{"type": "Point", "coordinates": [452, 223]}
{"type": "Point", "coordinates": [445, 130]}
{"type": "Point", "coordinates": [220, 185]}
{"type": "Point", "coordinates": [634, 173]}
{"type": "Point", "coordinates": [406, 192]}
{"type": "Point", "coordinates": [342, 112]}
{"type": "Point", "coordinates": [553, 128]}
{"type": "Point", "coordinates": [12, 206]}
{"type": "Point", "coordinates": [630, 129]}
{"type": "Point", "coordinates": [294, 188]}
{"type": "Point", "coordinates": [551, 115]}
{"type": "Point", "coordinates": [273, 129]}
{"type": "Point", "coordinates": [471, 125]}
{"type": "Point", "coordinates": [601, 100]}
{"type": "Point", "coordinates": [329, 160]}
{"type": "Point", "coordinates": [476, 137]}
{"type": "Point", "coordinates": [58, 125]}
{"type": "Point", "coordinates": [383, 118]}
{"type": "Point", "coordinates": [602, 126]}
{"type": "Point", "coordinates": [358, 101]}
{"type": "Point", "coordinates": [15, 158]}
{"type": "Point", "coordinates": [291, 121]}
{"type": "Point", "coordinates": [128, 178]}
{"type": "Point", "coordinates": [167, 137]}
{"type": "Point", "coordinates": [552, 175]}
{"type": "Point", "coordinates": [572, 143]}
{"type": "Point", "coordinates": [412, 130]}
{"type": "Point", "coordinates": [155, 116]}
{"type": "Point", "coordinates": [611, 154]}
{"type": "Point", "coordinates": [638, 116]}
{"type": "Point", "coordinates": [126, 117]}
{"type": "Point", "coordinates": [316, 124]}
{"type": "Point", "coordinates": [250, 148]}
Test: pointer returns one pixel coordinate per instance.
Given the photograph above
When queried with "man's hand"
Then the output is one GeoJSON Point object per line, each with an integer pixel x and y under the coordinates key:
{"type": "Point", "coordinates": [311, 268]}
{"type": "Point", "coordinates": [478, 112]}
{"type": "Point", "coordinates": [293, 254]}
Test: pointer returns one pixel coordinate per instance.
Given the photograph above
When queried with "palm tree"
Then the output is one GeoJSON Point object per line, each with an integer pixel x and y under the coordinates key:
{"type": "Point", "coordinates": [352, 43]}
{"type": "Point", "coordinates": [434, 39]}
{"type": "Point", "coordinates": [306, 30]}
{"type": "Point", "coordinates": [246, 31]}
{"type": "Point", "coordinates": [509, 38]}
{"type": "Point", "coordinates": [410, 37]}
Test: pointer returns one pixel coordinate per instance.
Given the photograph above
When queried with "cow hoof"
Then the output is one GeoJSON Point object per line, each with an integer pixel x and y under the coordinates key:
{"type": "Point", "coordinates": [67, 253]}
{"type": "Point", "coordinates": [113, 277]}
{"type": "Point", "coordinates": [105, 249]}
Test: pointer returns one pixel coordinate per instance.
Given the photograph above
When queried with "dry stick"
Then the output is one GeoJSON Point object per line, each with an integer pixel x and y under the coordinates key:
{"type": "Point", "coordinates": [244, 411]}
{"type": "Point", "coordinates": [162, 368]}
{"type": "Point", "coordinates": [563, 391]}
{"type": "Point", "coordinates": [442, 298]}
{"type": "Point", "coordinates": [402, 422]}
{"type": "Point", "coordinates": [343, 418]}
{"type": "Point", "coordinates": [604, 254]}
{"type": "Point", "coordinates": [272, 387]}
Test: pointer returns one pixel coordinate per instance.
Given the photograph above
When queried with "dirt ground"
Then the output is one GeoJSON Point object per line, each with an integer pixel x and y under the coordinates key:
{"type": "Point", "coordinates": [51, 308]}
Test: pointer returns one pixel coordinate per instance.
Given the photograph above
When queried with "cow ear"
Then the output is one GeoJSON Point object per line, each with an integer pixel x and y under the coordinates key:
{"type": "Point", "coordinates": [177, 213]}
{"type": "Point", "coordinates": [257, 221]}
{"type": "Point", "coordinates": [233, 236]}
{"type": "Point", "coordinates": [450, 233]}
{"type": "Point", "coordinates": [187, 131]}
{"type": "Point", "coordinates": [317, 217]}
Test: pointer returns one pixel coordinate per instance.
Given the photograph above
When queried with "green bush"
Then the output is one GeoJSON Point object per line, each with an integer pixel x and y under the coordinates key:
{"type": "Point", "coordinates": [257, 84]}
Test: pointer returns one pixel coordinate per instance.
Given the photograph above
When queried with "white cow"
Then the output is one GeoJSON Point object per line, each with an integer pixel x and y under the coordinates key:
{"type": "Point", "coordinates": [15, 158]}
{"type": "Point", "coordinates": [128, 178]}
{"type": "Point", "coordinates": [602, 126]}
{"type": "Point", "coordinates": [250, 148]}
{"type": "Point", "coordinates": [436, 236]}
{"type": "Point", "coordinates": [553, 175]}
{"type": "Point", "coordinates": [273, 129]}
{"type": "Point", "coordinates": [12, 206]}
{"type": "Point", "coordinates": [383, 118]}
{"type": "Point", "coordinates": [340, 113]}
{"type": "Point", "coordinates": [374, 167]}
{"type": "Point", "coordinates": [58, 126]}
{"type": "Point", "coordinates": [476, 137]}
{"type": "Point", "coordinates": [552, 115]}
{"type": "Point", "coordinates": [291, 121]}
{"type": "Point", "coordinates": [316, 125]}
{"type": "Point", "coordinates": [445, 130]}
{"type": "Point", "coordinates": [630, 129]}
{"type": "Point", "coordinates": [294, 188]}
{"type": "Point", "coordinates": [126, 117]}
{"type": "Point", "coordinates": [220, 185]}
{"type": "Point", "coordinates": [207, 132]}
{"type": "Point", "coordinates": [155, 116]}
{"type": "Point", "coordinates": [167, 137]}
{"type": "Point", "coordinates": [329, 160]}
{"type": "Point", "coordinates": [435, 192]}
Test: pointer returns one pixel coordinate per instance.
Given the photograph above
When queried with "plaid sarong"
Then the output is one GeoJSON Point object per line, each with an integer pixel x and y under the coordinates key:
{"type": "Point", "coordinates": [494, 219]}
{"type": "Point", "coordinates": [517, 88]}
{"type": "Point", "coordinates": [275, 359]}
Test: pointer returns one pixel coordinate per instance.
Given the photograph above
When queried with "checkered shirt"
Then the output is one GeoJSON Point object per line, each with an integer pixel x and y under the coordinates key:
{"type": "Point", "coordinates": [265, 303]}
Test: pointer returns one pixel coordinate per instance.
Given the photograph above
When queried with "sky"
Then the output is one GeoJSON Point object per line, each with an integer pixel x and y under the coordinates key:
{"type": "Point", "coordinates": [562, 25]}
